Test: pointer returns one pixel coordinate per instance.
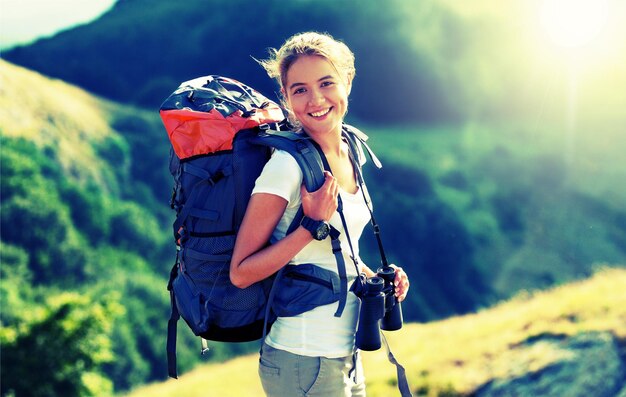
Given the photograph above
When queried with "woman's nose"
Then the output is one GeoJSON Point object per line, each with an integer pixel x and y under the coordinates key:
{"type": "Point", "coordinates": [316, 97]}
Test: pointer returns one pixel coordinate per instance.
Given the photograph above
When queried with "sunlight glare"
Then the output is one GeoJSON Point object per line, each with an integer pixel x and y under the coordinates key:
{"type": "Point", "coordinates": [573, 23]}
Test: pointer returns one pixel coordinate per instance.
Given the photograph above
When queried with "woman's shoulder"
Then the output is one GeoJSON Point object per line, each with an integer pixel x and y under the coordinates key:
{"type": "Point", "coordinates": [282, 167]}
{"type": "Point", "coordinates": [281, 176]}
{"type": "Point", "coordinates": [284, 162]}
{"type": "Point", "coordinates": [283, 156]}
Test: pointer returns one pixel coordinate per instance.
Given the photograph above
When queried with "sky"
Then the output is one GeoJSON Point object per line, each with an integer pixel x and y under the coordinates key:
{"type": "Point", "coordinates": [23, 21]}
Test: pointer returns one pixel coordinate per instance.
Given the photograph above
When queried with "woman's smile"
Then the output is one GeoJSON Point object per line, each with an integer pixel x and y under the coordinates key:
{"type": "Point", "coordinates": [321, 113]}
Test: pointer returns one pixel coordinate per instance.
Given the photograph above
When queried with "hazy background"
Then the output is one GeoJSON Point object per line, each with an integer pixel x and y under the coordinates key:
{"type": "Point", "coordinates": [23, 21]}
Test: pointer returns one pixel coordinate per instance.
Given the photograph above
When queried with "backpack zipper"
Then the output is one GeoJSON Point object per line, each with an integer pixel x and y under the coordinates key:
{"type": "Point", "coordinates": [315, 280]}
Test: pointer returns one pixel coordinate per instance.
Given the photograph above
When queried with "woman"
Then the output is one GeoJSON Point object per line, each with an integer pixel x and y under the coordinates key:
{"type": "Point", "coordinates": [313, 353]}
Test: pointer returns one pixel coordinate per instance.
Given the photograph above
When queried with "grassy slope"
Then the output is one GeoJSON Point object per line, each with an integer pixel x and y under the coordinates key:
{"type": "Point", "coordinates": [49, 113]}
{"type": "Point", "coordinates": [71, 125]}
{"type": "Point", "coordinates": [455, 355]}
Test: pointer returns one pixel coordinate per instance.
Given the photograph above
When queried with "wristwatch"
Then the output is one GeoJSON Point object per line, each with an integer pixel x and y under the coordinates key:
{"type": "Point", "coordinates": [318, 229]}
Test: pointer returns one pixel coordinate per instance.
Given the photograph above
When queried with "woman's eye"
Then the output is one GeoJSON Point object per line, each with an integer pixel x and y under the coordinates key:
{"type": "Point", "coordinates": [327, 83]}
{"type": "Point", "coordinates": [299, 91]}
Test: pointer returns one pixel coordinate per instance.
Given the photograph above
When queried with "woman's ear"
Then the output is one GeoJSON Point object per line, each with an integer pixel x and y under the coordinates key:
{"type": "Point", "coordinates": [285, 99]}
{"type": "Point", "coordinates": [349, 84]}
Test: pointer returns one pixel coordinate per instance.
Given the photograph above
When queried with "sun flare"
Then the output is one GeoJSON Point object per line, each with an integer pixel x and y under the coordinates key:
{"type": "Point", "coordinates": [573, 23]}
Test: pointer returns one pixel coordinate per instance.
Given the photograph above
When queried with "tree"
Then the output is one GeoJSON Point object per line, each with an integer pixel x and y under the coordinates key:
{"type": "Point", "coordinates": [55, 350]}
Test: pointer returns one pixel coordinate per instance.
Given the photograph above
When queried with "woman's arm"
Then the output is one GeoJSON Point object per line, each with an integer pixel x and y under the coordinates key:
{"type": "Point", "coordinates": [253, 260]}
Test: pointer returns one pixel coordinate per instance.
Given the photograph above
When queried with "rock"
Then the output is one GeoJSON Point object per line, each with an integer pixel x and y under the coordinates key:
{"type": "Point", "coordinates": [592, 367]}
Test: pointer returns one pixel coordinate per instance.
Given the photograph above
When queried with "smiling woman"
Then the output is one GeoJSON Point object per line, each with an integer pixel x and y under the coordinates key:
{"type": "Point", "coordinates": [573, 23]}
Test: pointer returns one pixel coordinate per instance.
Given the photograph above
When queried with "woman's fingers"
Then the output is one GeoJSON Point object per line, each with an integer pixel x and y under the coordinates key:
{"type": "Point", "coordinates": [401, 283]}
{"type": "Point", "coordinates": [330, 183]}
{"type": "Point", "coordinates": [335, 186]}
{"type": "Point", "coordinates": [322, 203]}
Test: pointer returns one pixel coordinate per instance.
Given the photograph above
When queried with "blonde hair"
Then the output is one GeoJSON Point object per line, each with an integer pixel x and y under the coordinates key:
{"type": "Point", "coordinates": [307, 44]}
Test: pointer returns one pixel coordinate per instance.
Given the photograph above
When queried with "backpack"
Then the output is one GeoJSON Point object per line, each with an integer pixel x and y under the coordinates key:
{"type": "Point", "coordinates": [222, 133]}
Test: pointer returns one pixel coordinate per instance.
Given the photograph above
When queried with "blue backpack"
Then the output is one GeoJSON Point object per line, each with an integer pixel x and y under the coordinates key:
{"type": "Point", "coordinates": [222, 133]}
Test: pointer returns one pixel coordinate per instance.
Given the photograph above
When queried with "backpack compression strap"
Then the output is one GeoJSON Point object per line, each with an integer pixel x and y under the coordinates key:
{"type": "Point", "coordinates": [172, 324]}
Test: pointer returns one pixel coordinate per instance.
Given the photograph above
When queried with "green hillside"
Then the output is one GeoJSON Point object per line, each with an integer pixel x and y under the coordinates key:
{"type": "Point", "coordinates": [532, 216]}
{"type": "Point", "coordinates": [85, 247]}
{"type": "Point", "coordinates": [567, 341]}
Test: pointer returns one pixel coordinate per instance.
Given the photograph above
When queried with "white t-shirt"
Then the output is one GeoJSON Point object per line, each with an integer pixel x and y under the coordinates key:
{"type": "Point", "coordinates": [316, 332]}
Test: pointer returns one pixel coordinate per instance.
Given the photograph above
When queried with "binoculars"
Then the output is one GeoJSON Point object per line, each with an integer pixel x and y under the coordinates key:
{"type": "Point", "coordinates": [380, 309]}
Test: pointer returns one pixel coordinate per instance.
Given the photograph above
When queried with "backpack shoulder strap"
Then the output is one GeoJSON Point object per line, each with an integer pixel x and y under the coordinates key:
{"type": "Point", "coordinates": [302, 149]}
{"type": "Point", "coordinates": [308, 157]}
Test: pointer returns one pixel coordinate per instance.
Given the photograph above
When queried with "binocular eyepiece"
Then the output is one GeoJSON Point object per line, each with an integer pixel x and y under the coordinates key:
{"type": "Point", "coordinates": [380, 309]}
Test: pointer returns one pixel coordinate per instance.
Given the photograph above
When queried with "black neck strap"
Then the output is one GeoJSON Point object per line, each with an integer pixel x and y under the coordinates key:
{"type": "Point", "coordinates": [353, 153]}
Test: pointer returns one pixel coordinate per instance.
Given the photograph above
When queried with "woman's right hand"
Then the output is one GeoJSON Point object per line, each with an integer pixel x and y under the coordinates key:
{"type": "Point", "coordinates": [321, 204]}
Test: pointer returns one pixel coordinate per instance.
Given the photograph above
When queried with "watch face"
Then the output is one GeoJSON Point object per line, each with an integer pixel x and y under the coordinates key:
{"type": "Point", "coordinates": [322, 231]}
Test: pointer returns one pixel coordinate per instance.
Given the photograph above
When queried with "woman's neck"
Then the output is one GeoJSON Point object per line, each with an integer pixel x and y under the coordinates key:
{"type": "Point", "coordinates": [329, 142]}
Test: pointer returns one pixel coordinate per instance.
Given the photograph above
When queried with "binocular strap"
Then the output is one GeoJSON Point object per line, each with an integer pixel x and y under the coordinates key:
{"type": "Point", "coordinates": [403, 384]}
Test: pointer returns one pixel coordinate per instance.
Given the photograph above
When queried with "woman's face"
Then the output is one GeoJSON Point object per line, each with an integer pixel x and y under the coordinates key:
{"type": "Point", "coordinates": [316, 94]}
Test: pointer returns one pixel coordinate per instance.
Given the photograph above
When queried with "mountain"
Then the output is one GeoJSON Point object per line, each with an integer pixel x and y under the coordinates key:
{"type": "Point", "coordinates": [566, 341]}
{"type": "Point", "coordinates": [141, 50]}
{"type": "Point", "coordinates": [425, 62]}
{"type": "Point", "coordinates": [63, 146]}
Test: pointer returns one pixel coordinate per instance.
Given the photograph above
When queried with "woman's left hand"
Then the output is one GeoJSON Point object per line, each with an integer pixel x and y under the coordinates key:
{"type": "Point", "coordinates": [401, 283]}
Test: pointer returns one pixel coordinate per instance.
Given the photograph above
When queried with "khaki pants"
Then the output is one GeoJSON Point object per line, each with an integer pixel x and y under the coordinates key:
{"type": "Point", "coordinates": [285, 374]}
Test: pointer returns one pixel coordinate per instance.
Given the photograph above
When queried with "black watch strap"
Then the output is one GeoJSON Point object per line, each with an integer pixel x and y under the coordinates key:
{"type": "Point", "coordinates": [318, 229]}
